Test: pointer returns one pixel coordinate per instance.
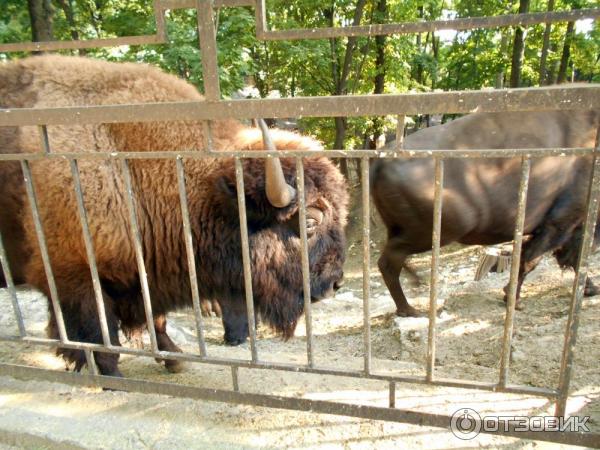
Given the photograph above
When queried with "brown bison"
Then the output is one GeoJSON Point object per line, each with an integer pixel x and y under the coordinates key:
{"type": "Point", "coordinates": [480, 195]}
{"type": "Point", "coordinates": [272, 207]}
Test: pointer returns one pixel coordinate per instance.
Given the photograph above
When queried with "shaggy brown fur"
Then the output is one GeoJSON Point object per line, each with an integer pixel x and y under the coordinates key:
{"type": "Point", "coordinates": [54, 81]}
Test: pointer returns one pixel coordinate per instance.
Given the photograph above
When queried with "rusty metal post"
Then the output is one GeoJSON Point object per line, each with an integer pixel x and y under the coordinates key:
{"type": "Point", "coordinates": [581, 274]}
{"type": "Point", "coordinates": [12, 292]}
{"type": "Point", "coordinates": [191, 259]}
{"type": "Point", "coordinates": [139, 253]}
{"type": "Point", "coordinates": [239, 177]}
{"type": "Point", "coordinates": [514, 273]}
{"type": "Point", "coordinates": [305, 261]}
{"type": "Point", "coordinates": [208, 46]}
{"type": "Point", "coordinates": [366, 219]}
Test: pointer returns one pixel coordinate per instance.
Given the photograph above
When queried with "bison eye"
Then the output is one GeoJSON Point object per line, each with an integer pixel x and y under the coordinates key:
{"type": "Point", "coordinates": [311, 225]}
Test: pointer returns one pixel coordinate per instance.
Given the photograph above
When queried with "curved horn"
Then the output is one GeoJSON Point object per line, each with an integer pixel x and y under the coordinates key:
{"type": "Point", "coordinates": [279, 193]}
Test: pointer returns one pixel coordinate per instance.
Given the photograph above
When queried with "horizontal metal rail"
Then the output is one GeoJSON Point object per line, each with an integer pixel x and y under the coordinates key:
{"type": "Point", "coordinates": [446, 153]}
{"type": "Point", "coordinates": [580, 97]}
{"type": "Point", "coordinates": [159, 37]}
{"type": "Point", "coordinates": [364, 411]}
{"type": "Point", "coordinates": [461, 24]}
{"type": "Point", "coordinates": [190, 4]}
{"type": "Point", "coordinates": [259, 364]}
{"type": "Point", "coordinates": [88, 43]}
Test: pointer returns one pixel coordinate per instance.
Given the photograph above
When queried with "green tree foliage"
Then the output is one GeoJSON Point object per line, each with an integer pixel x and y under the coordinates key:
{"type": "Point", "coordinates": [443, 60]}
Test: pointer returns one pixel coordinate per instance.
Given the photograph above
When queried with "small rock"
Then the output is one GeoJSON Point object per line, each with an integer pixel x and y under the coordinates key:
{"type": "Point", "coordinates": [414, 336]}
{"type": "Point", "coordinates": [518, 355]}
{"type": "Point", "coordinates": [346, 296]}
{"type": "Point", "coordinates": [411, 323]}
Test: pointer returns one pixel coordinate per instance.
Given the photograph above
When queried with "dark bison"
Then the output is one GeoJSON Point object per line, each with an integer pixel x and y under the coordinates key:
{"type": "Point", "coordinates": [480, 195]}
{"type": "Point", "coordinates": [54, 81]}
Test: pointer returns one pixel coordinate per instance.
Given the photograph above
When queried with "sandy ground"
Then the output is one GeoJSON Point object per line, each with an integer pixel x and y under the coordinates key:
{"type": "Point", "coordinates": [46, 415]}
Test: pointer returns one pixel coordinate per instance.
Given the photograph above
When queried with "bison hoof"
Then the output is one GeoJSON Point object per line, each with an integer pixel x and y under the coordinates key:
{"type": "Point", "coordinates": [590, 291]}
{"type": "Point", "coordinates": [114, 373]}
{"type": "Point", "coordinates": [174, 366]}
{"type": "Point", "coordinates": [235, 341]}
{"type": "Point", "coordinates": [409, 311]}
{"type": "Point", "coordinates": [518, 304]}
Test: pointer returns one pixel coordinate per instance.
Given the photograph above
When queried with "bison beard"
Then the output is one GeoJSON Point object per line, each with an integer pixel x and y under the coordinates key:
{"type": "Point", "coordinates": [480, 195]}
{"type": "Point", "coordinates": [211, 189]}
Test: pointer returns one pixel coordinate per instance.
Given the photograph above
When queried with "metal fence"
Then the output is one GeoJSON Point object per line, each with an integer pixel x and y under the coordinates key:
{"type": "Point", "coordinates": [565, 97]}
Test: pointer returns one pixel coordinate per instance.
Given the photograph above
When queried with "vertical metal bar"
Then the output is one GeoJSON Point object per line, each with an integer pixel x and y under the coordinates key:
{"type": "Point", "coordinates": [159, 17]}
{"type": "Point", "coordinates": [514, 273]}
{"type": "Point", "coordinates": [208, 46]}
{"type": "Point", "coordinates": [89, 359]}
{"type": "Point", "coordinates": [43, 130]}
{"type": "Point", "coordinates": [566, 365]}
{"type": "Point", "coordinates": [239, 178]}
{"type": "Point", "coordinates": [11, 289]}
{"type": "Point", "coordinates": [400, 132]}
{"type": "Point", "coordinates": [261, 19]}
{"type": "Point", "coordinates": [366, 264]}
{"type": "Point", "coordinates": [207, 135]}
{"type": "Point", "coordinates": [191, 259]}
{"type": "Point", "coordinates": [137, 242]}
{"type": "Point", "coordinates": [435, 256]}
{"type": "Point", "coordinates": [234, 379]}
{"type": "Point", "coordinates": [89, 248]}
{"type": "Point", "coordinates": [392, 391]}
{"type": "Point", "coordinates": [305, 260]}
{"type": "Point", "coordinates": [60, 322]}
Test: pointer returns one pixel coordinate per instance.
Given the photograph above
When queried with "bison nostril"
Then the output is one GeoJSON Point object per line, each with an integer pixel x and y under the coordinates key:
{"type": "Point", "coordinates": [338, 284]}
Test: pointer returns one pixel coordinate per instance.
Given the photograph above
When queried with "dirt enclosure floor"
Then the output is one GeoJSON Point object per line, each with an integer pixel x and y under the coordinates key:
{"type": "Point", "coordinates": [38, 414]}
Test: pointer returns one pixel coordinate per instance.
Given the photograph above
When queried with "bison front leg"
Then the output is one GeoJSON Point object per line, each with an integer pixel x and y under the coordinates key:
{"type": "Point", "coordinates": [568, 256]}
{"type": "Point", "coordinates": [390, 264]}
{"type": "Point", "coordinates": [545, 238]}
{"type": "Point", "coordinates": [166, 344]}
{"type": "Point", "coordinates": [78, 305]}
{"type": "Point", "coordinates": [524, 268]}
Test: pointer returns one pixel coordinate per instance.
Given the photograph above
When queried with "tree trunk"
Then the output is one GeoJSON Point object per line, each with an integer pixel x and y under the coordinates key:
{"type": "Point", "coordinates": [545, 46]}
{"type": "Point", "coordinates": [340, 75]}
{"type": "Point", "coordinates": [379, 70]}
{"type": "Point", "coordinates": [566, 54]}
{"type": "Point", "coordinates": [503, 49]}
{"type": "Point", "coordinates": [67, 7]}
{"type": "Point", "coordinates": [518, 49]}
{"type": "Point", "coordinates": [40, 14]}
{"type": "Point", "coordinates": [435, 47]}
{"type": "Point", "coordinates": [418, 73]}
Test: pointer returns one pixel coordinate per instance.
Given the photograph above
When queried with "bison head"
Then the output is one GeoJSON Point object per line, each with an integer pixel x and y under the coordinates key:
{"type": "Point", "coordinates": [275, 244]}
